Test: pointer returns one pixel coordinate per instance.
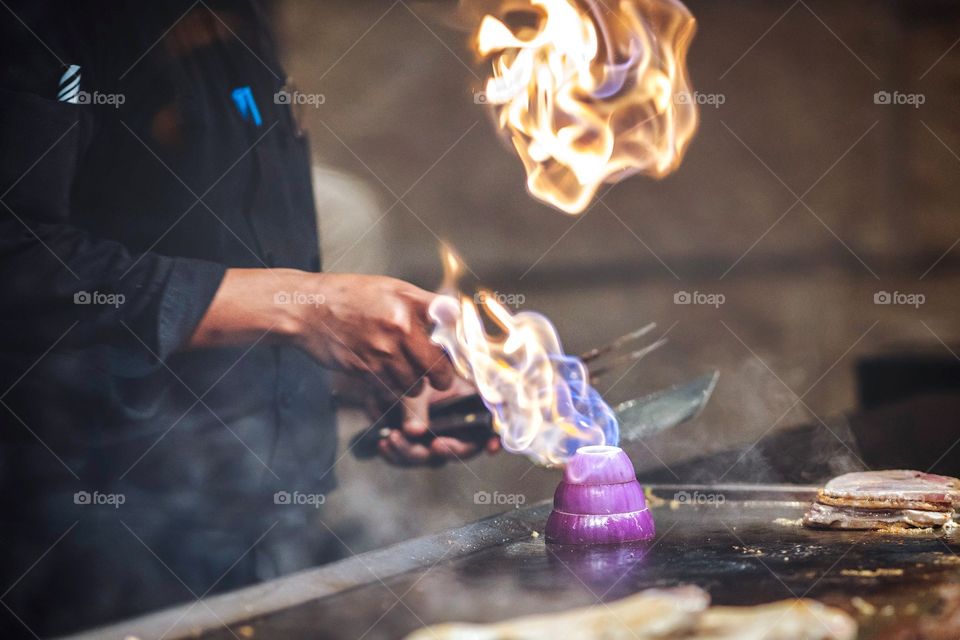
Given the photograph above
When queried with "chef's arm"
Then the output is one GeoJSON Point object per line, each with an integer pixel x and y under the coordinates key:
{"type": "Point", "coordinates": [374, 326]}
{"type": "Point", "coordinates": [62, 285]}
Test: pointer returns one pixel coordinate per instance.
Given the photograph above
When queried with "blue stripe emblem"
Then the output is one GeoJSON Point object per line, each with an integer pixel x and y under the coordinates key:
{"type": "Point", "coordinates": [246, 105]}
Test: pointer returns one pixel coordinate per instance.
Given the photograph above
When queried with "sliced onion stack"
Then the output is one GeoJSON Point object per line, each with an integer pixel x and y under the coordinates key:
{"type": "Point", "coordinates": [599, 500]}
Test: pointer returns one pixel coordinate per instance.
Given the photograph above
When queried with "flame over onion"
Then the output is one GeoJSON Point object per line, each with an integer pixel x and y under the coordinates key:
{"type": "Point", "coordinates": [589, 91]}
{"type": "Point", "coordinates": [541, 399]}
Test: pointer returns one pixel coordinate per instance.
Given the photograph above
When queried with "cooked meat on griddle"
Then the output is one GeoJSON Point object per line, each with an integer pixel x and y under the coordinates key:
{"type": "Point", "coordinates": [898, 489]}
{"type": "Point", "coordinates": [885, 500]}
{"type": "Point", "coordinates": [784, 620]}
{"type": "Point", "coordinates": [654, 613]}
{"type": "Point", "coordinates": [833, 517]}
{"type": "Point", "coordinates": [681, 613]}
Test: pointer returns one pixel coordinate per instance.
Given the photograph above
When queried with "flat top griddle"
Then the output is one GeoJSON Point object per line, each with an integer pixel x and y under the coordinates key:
{"type": "Point", "coordinates": [743, 544]}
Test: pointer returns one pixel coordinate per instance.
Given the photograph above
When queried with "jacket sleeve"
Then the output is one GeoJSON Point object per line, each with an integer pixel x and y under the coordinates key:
{"type": "Point", "coordinates": [58, 283]}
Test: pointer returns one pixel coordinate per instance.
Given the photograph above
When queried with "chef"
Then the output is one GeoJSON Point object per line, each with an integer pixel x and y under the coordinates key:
{"type": "Point", "coordinates": [168, 336]}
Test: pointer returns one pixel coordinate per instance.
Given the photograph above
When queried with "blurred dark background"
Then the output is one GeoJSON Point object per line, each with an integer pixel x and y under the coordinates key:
{"type": "Point", "coordinates": [802, 197]}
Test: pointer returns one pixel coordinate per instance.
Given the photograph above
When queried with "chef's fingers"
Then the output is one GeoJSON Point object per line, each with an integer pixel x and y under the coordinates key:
{"type": "Point", "coordinates": [416, 389]}
{"type": "Point", "coordinates": [391, 454]}
{"type": "Point", "coordinates": [408, 451]}
{"type": "Point", "coordinates": [453, 448]}
{"type": "Point", "coordinates": [387, 452]}
{"type": "Point", "coordinates": [429, 360]}
{"type": "Point", "coordinates": [406, 379]}
{"type": "Point", "coordinates": [440, 373]}
{"type": "Point", "coordinates": [416, 412]}
{"type": "Point", "coordinates": [493, 445]}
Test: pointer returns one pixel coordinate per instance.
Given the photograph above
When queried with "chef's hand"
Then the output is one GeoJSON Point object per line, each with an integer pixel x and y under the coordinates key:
{"type": "Point", "coordinates": [399, 450]}
{"type": "Point", "coordinates": [371, 325]}
{"type": "Point", "coordinates": [379, 327]}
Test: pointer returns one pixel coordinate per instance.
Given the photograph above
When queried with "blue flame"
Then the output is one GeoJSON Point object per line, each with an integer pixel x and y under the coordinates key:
{"type": "Point", "coordinates": [581, 404]}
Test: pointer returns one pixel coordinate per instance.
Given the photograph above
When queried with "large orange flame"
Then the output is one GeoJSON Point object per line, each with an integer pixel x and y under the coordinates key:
{"type": "Point", "coordinates": [541, 399]}
{"type": "Point", "coordinates": [589, 93]}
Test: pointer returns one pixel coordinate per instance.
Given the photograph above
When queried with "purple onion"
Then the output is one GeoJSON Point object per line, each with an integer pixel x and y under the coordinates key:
{"type": "Point", "coordinates": [599, 501]}
{"type": "Point", "coordinates": [570, 528]}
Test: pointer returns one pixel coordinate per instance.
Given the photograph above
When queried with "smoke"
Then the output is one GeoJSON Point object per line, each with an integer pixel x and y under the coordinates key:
{"type": "Point", "coordinates": [753, 430]}
{"type": "Point", "coordinates": [460, 15]}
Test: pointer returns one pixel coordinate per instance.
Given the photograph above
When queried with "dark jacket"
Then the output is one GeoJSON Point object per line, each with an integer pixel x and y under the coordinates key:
{"type": "Point", "coordinates": [145, 150]}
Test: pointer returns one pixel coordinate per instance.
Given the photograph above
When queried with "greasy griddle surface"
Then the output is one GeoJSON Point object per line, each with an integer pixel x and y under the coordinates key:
{"type": "Point", "coordinates": [743, 551]}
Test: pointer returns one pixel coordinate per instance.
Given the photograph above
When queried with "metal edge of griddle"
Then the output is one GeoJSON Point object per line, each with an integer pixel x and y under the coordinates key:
{"type": "Point", "coordinates": [741, 493]}
{"type": "Point", "coordinates": [190, 620]}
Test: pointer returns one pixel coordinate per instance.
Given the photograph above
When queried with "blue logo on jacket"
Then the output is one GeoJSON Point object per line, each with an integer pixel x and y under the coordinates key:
{"type": "Point", "coordinates": [246, 105]}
